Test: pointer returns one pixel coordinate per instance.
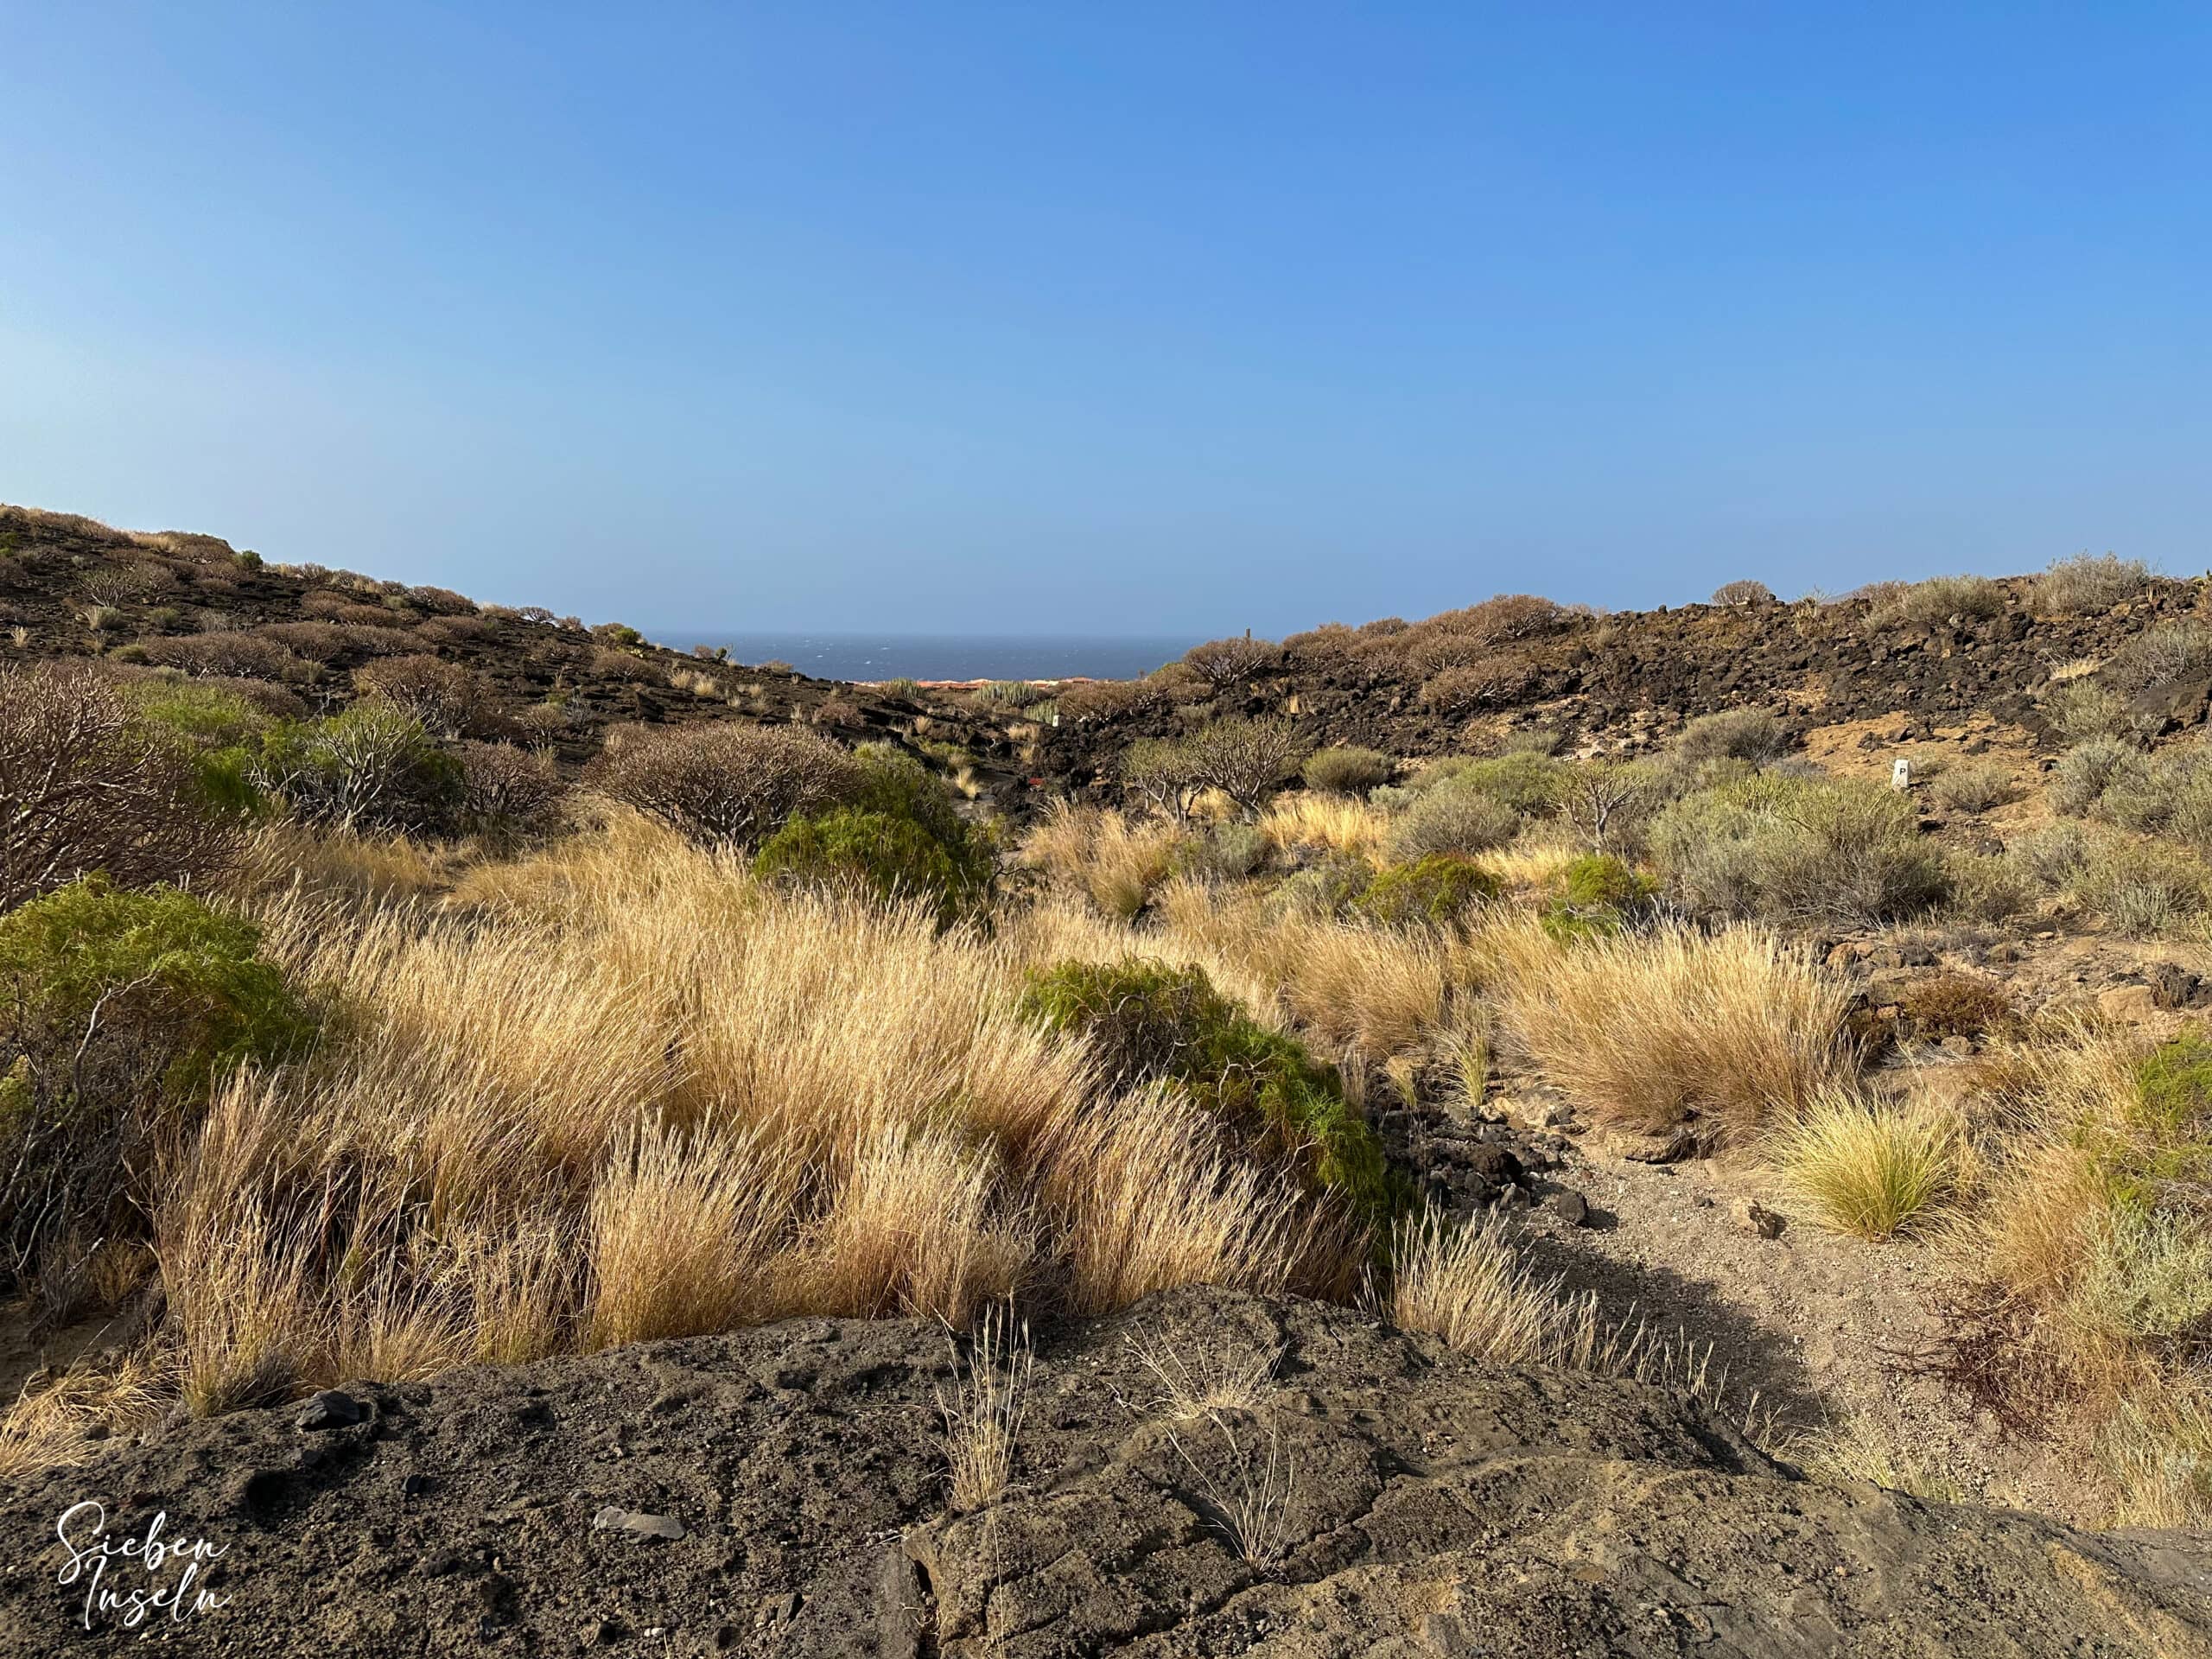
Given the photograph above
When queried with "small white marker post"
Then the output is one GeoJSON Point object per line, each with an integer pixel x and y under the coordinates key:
{"type": "Point", "coordinates": [1900, 774]}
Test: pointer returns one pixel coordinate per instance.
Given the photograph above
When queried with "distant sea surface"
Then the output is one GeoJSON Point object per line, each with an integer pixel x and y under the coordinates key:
{"type": "Point", "coordinates": [945, 656]}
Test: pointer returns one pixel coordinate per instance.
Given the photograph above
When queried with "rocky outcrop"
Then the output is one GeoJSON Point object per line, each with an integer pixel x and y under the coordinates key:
{"type": "Point", "coordinates": [781, 1491]}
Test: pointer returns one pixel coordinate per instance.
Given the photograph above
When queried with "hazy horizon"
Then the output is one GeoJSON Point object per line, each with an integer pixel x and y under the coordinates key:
{"type": "Point", "coordinates": [1157, 320]}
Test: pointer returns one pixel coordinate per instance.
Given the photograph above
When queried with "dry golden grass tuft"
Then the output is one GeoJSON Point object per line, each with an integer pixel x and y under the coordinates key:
{"type": "Point", "coordinates": [1471, 1288]}
{"type": "Point", "coordinates": [684, 1232]}
{"type": "Point", "coordinates": [1316, 818]}
{"type": "Point", "coordinates": [1195, 1379]}
{"type": "Point", "coordinates": [615, 1090]}
{"type": "Point", "coordinates": [1115, 862]}
{"type": "Point", "coordinates": [1649, 1031]}
{"type": "Point", "coordinates": [1866, 1166]}
{"type": "Point", "coordinates": [53, 1426]}
{"type": "Point", "coordinates": [983, 1413]}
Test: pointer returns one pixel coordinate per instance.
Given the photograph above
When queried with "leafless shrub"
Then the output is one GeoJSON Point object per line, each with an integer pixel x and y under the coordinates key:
{"type": "Point", "coordinates": [373, 641]}
{"type": "Point", "coordinates": [1104, 699]}
{"type": "Point", "coordinates": [1245, 759]}
{"type": "Point", "coordinates": [1331, 643]}
{"type": "Point", "coordinates": [608, 664]}
{"type": "Point", "coordinates": [727, 782]}
{"type": "Point", "coordinates": [1489, 683]}
{"type": "Point", "coordinates": [334, 607]}
{"type": "Point", "coordinates": [85, 786]}
{"type": "Point", "coordinates": [503, 785]}
{"type": "Point", "coordinates": [447, 698]}
{"type": "Point", "coordinates": [243, 656]}
{"type": "Point", "coordinates": [1225, 662]}
{"type": "Point", "coordinates": [128, 583]}
{"type": "Point", "coordinates": [455, 630]}
{"type": "Point", "coordinates": [2169, 654]}
{"type": "Point", "coordinates": [317, 641]}
{"type": "Point", "coordinates": [1742, 593]}
{"type": "Point", "coordinates": [542, 724]}
{"type": "Point", "coordinates": [2080, 584]}
{"type": "Point", "coordinates": [442, 601]}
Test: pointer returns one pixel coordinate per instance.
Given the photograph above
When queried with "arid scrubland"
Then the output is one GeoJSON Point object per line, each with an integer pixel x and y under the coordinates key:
{"type": "Point", "coordinates": [349, 1045]}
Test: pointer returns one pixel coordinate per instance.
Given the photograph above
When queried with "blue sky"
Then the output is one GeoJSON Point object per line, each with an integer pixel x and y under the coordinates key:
{"type": "Point", "coordinates": [1113, 318]}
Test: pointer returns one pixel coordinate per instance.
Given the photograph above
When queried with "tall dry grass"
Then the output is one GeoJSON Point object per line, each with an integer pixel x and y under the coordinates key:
{"type": "Point", "coordinates": [1115, 861]}
{"type": "Point", "coordinates": [1647, 1030]}
{"type": "Point", "coordinates": [1322, 819]}
{"type": "Point", "coordinates": [615, 1090]}
{"type": "Point", "coordinates": [1870, 1168]}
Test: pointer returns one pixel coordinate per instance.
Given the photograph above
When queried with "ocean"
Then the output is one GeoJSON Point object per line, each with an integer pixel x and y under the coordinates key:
{"type": "Point", "coordinates": [945, 656]}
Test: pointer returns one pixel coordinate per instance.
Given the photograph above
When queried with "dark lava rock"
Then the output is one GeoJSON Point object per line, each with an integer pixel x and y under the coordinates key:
{"type": "Point", "coordinates": [1437, 1499]}
{"type": "Point", "coordinates": [1572, 1209]}
{"type": "Point", "coordinates": [2174, 986]}
{"type": "Point", "coordinates": [1491, 1162]}
{"type": "Point", "coordinates": [332, 1408]}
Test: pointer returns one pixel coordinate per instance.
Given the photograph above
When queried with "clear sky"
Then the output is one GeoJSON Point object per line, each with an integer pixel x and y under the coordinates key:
{"type": "Point", "coordinates": [1114, 317]}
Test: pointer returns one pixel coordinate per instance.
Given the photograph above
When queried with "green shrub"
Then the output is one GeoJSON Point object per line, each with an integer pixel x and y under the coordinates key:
{"type": "Point", "coordinates": [1328, 888]}
{"type": "Point", "coordinates": [2054, 854]}
{"type": "Point", "coordinates": [2171, 653]}
{"type": "Point", "coordinates": [1937, 600]}
{"type": "Point", "coordinates": [1988, 887]}
{"type": "Point", "coordinates": [1008, 694]}
{"type": "Point", "coordinates": [1452, 817]}
{"type": "Point", "coordinates": [118, 1011]}
{"type": "Point", "coordinates": [1347, 769]}
{"type": "Point", "coordinates": [1527, 780]}
{"type": "Point", "coordinates": [2089, 772]}
{"type": "Point", "coordinates": [1146, 1022]}
{"type": "Point", "coordinates": [2081, 584]}
{"type": "Point", "coordinates": [2081, 710]}
{"type": "Point", "coordinates": [1797, 851]}
{"type": "Point", "coordinates": [2142, 890]}
{"type": "Point", "coordinates": [1751, 734]}
{"type": "Point", "coordinates": [207, 714]}
{"type": "Point", "coordinates": [890, 857]}
{"type": "Point", "coordinates": [1433, 890]}
{"type": "Point", "coordinates": [1600, 894]}
{"type": "Point", "coordinates": [1226, 852]}
{"type": "Point", "coordinates": [901, 841]}
{"type": "Point", "coordinates": [903, 687]}
{"type": "Point", "coordinates": [1975, 788]}
{"type": "Point", "coordinates": [371, 766]}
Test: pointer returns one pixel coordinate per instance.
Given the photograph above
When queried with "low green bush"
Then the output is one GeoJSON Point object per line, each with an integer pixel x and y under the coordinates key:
{"type": "Point", "coordinates": [118, 1011]}
{"type": "Point", "coordinates": [1973, 788]}
{"type": "Point", "coordinates": [1327, 888]}
{"type": "Point", "coordinates": [1146, 1022]}
{"type": "Point", "coordinates": [1751, 734]}
{"type": "Point", "coordinates": [1598, 894]}
{"type": "Point", "coordinates": [371, 766]}
{"type": "Point", "coordinates": [2085, 771]}
{"type": "Point", "coordinates": [1225, 851]}
{"type": "Point", "coordinates": [2081, 584]}
{"type": "Point", "coordinates": [1437, 889]}
{"type": "Point", "coordinates": [2081, 710]}
{"type": "Point", "coordinates": [1798, 850]}
{"type": "Point", "coordinates": [1452, 816]}
{"type": "Point", "coordinates": [901, 841]}
{"type": "Point", "coordinates": [1348, 769]}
